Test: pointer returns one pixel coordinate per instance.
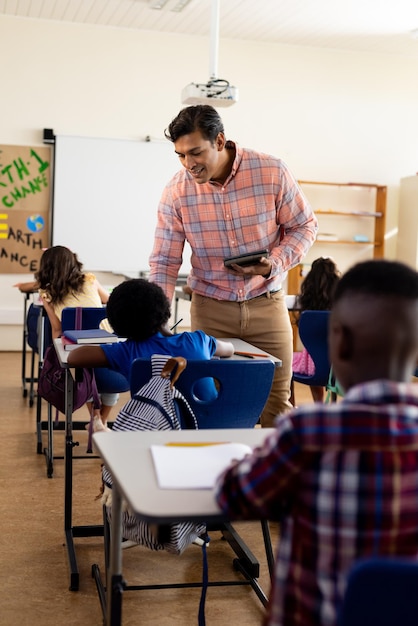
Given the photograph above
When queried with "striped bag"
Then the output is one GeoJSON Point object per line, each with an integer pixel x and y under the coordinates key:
{"type": "Point", "coordinates": [155, 406]}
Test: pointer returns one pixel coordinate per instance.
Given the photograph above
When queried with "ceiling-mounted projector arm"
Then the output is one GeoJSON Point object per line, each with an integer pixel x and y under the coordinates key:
{"type": "Point", "coordinates": [214, 40]}
{"type": "Point", "coordinates": [217, 91]}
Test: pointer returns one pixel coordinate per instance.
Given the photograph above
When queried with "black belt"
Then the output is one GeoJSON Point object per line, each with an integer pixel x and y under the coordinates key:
{"type": "Point", "coordinates": [266, 294]}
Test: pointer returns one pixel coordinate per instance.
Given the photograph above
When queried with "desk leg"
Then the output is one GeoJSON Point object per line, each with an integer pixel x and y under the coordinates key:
{"type": "Point", "coordinates": [114, 575]}
{"type": "Point", "coordinates": [176, 309]}
{"type": "Point", "coordinates": [70, 530]}
{"type": "Point", "coordinates": [68, 505]}
{"type": "Point", "coordinates": [25, 335]}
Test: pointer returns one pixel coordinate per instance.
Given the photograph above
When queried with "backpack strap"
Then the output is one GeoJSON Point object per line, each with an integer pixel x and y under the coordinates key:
{"type": "Point", "coordinates": [173, 368]}
{"type": "Point", "coordinates": [157, 405]}
{"type": "Point", "coordinates": [96, 397]}
{"type": "Point", "coordinates": [184, 412]}
{"type": "Point", "coordinates": [333, 388]}
{"type": "Point", "coordinates": [78, 318]}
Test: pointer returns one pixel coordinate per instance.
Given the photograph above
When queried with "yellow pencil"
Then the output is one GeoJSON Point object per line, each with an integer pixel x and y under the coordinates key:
{"type": "Point", "coordinates": [187, 444]}
{"type": "Point", "coordinates": [252, 355]}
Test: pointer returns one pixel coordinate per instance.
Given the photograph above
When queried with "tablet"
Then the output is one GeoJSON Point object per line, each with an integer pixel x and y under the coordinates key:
{"type": "Point", "coordinates": [249, 258]}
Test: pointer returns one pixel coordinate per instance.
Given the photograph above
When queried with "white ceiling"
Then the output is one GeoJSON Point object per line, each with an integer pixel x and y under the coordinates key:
{"type": "Point", "coordinates": [381, 26]}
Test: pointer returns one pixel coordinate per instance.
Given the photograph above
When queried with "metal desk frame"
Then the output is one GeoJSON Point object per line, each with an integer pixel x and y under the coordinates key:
{"type": "Point", "coordinates": [71, 531]}
{"type": "Point", "coordinates": [98, 530]}
{"type": "Point", "coordinates": [127, 455]}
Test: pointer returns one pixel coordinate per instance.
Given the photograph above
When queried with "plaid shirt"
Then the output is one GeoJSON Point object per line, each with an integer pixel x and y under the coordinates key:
{"type": "Point", "coordinates": [259, 206]}
{"type": "Point", "coordinates": [343, 480]}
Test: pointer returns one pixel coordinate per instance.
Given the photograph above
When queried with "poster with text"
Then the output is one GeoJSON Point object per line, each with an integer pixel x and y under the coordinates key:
{"type": "Point", "coordinates": [25, 196]}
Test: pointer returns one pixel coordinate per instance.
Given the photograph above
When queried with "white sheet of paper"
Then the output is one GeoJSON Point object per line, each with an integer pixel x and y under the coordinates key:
{"type": "Point", "coordinates": [194, 466]}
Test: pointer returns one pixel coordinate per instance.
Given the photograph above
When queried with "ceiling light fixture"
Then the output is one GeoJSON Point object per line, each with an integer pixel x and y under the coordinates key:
{"type": "Point", "coordinates": [177, 8]}
{"type": "Point", "coordinates": [158, 4]}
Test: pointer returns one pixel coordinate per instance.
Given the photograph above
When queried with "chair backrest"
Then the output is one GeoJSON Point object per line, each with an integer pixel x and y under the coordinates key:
{"type": "Point", "coordinates": [381, 591]}
{"type": "Point", "coordinates": [107, 380]}
{"type": "Point", "coordinates": [90, 317]}
{"type": "Point", "coordinates": [39, 331]}
{"type": "Point", "coordinates": [313, 333]}
{"type": "Point", "coordinates": [242, 389]}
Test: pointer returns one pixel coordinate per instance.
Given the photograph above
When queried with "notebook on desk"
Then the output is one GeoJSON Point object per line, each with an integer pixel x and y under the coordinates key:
{"type": "Point", "coordinates": [90, 336]}
{"type": "Point", "coordinates": [194, 465]}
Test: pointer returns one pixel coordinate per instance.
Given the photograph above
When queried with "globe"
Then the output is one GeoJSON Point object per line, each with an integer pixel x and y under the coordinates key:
{"type": "Point", "coordinates": [35, 223]}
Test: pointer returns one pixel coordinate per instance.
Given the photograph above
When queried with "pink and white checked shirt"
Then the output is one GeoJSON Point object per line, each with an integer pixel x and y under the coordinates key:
{"type": "Point", "coordinates": [259, 206]}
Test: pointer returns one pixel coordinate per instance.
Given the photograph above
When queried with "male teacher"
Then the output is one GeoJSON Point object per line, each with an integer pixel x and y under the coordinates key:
{"type": "Point", "coordinates": [226, 201]}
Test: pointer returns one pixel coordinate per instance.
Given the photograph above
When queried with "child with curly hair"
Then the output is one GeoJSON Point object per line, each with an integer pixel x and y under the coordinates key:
{"type": "Point", "coordinates": [62, 283]}
{"type": "Point", "coordinates": [139, 310]}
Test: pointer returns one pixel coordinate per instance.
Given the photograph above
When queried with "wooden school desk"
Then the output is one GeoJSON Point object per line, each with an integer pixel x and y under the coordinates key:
{"type": "Point", "coordinates": [97, 530]}
{"type": "Point", "coordinates": [127, 455]}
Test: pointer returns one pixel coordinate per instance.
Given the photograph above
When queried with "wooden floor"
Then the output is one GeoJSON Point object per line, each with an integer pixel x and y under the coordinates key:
{"type": "Point", "coordinates": [34, 575]}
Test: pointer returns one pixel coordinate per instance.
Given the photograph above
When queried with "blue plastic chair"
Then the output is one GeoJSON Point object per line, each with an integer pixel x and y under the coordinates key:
{"type": "Point", "coordinates": [39, 338]}
{"type": "Point", "coordinates": [381, 592]}
{"type": "Point", "coordinates": [313, 333]}
{"type": "Point", "coordinates": [90, 317]}
{"type": "Point", "coordinates": [107, 380]}
{"type": "Point", "coordinates": [242, 389]}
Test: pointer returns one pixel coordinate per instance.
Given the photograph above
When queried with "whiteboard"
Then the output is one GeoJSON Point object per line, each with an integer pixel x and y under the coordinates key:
{"type": "Point", "coordinates": [105, 199]}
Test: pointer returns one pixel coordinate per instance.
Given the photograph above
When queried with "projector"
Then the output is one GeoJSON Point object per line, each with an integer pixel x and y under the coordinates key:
{"type": "Point", "coordinates": [218, 93]}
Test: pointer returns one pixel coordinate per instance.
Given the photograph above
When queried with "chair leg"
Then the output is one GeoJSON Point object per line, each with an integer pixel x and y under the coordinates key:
{"type": "Point", "coordinates": [241, 549]}
{"type": "Point", "coordinates": [268, 547]}
{"type": "Point", "coordinates": [292, 392]}
{"type": "Point", "coordinates": [95, 570]}
{"type": "Point", "coordinates": [49, 451]}
{"type": "Point", "coordinates": [39, 424]}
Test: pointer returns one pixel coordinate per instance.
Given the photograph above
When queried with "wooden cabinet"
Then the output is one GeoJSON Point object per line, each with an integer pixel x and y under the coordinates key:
{"type": "Point", "coordinates": [351, 225]}
{"type": "Point", "coordinates": [407, 250]}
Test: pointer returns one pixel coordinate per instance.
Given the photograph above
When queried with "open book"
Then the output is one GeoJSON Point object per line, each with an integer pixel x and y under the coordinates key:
{"type": "Point", "coordinates": [194, 465]}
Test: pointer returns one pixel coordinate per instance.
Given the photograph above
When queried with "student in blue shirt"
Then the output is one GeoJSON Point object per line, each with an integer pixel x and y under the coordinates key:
{"type": "Point", "coordinates": [139, 310]}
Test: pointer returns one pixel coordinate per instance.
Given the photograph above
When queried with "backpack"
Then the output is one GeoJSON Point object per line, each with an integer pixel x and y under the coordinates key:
{"type": "Point", "coordinates": [51, 384]}
{"type": "Point", "coordinates": [156, 406]}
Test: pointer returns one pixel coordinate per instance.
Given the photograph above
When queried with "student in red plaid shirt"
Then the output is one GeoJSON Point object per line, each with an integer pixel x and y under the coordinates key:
{"type": "Point", "coordinates": [342, 478]}
{"type": "Point", "coordinates": [226, 201]}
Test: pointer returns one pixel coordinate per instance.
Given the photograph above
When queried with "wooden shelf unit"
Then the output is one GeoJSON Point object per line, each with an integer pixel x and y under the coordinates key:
{"type": "Point", "coordinates": [342, 209]}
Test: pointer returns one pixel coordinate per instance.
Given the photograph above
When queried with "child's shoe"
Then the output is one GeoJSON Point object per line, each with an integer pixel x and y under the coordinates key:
{"type": "Point", "coordinates": [98, 425]}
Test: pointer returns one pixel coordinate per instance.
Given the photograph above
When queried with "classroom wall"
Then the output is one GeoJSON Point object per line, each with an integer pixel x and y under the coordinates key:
{"type": "Point", "coordinates": [331, 115]}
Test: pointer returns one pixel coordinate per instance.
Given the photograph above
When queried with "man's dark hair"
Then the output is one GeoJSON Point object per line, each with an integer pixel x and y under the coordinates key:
{"type": "Point", "coordinates": [201, 117]}
{"type": "Point", "coordinates": [137, 309]}
{"type": "Point", "coordinates": [379, 277]}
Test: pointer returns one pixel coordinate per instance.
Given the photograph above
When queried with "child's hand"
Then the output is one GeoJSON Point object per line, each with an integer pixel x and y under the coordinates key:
{"type": "Point", "coordinates": [26, 287]}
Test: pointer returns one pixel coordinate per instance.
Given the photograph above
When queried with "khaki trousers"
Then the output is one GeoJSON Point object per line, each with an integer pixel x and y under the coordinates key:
{"type": "Point", "coordinates": [263, 322]}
